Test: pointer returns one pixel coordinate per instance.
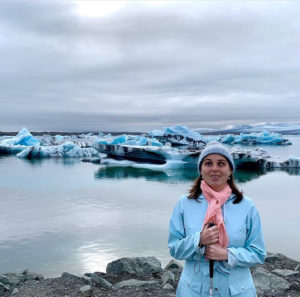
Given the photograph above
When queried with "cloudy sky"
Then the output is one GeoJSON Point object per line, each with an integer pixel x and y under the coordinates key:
{"type": "Point", "coordinates": [143, 65]}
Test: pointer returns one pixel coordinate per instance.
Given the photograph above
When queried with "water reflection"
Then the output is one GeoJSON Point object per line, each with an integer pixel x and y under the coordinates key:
{"type": "Point", "coordinates": [63, 161]}
{"type": "Point", "coordinates": [170, 176]}
{"type": "Point", "coordinates": [180, 174]}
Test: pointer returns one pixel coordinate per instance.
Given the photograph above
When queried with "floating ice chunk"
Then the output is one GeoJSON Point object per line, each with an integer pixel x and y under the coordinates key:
{"type": "Point", "coordinates": [178, 135]}
{"type": "Point", "coordinates": [67, 149]}
{"type": "Point", "coordinates": [59, 138]}
{"type": "Point", "coordinates": [128, 140]}
{"type": "Point", "coordinates": [264, 137]}
{"type": "Point", "coordinates": [24, 137]}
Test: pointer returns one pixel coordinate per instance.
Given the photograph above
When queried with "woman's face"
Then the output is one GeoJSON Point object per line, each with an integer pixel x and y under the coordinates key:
{"type": "Point", "coordinates": [215, 171]}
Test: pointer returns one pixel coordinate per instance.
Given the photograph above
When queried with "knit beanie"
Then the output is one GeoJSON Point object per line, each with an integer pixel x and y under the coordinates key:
{"type": "Point", "coordinates": [216, 148]}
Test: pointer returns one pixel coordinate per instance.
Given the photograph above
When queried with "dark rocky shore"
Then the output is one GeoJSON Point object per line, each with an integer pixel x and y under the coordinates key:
{"type": "Point", "coordinates": [144, 276]}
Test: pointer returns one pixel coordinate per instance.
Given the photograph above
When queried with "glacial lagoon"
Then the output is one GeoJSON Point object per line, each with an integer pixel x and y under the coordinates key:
{"type": "Point", "coordinates": [66, 215]}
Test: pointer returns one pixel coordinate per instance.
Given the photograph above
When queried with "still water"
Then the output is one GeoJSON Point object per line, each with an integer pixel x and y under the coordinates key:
{"type": "Point", "coordinates": [65, 215]}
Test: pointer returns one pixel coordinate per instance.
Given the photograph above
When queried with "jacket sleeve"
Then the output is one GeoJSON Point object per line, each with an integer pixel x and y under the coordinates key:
{"type": "Point", "coordinates": [182, 246]}
{"type": "Point", "coordinates": [254, 251]}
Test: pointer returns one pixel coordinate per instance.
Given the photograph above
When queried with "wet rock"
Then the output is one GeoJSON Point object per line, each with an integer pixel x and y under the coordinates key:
{"type": "Point", "coordinates": [134, 266]}
{"type": "Point", "coordinates": [168, 277]}
{"type": "Point", "coordinates": [85, 288]}
{"type": "Point", "coordinates": [72, 279]}
{"type": "Point", "coordinates": [267, 281]}
{"type": "Point", "coordinates": [3, 288]}
{"type": "Point", "coordinates": [284, 272]}
{"type": "Point", "coordinates": [133, 283]}
{"type": "Point", "coordinates": [10, 279]}
{"type": "Point", "coordinates": [27, 275]}
{"type": "Point", "coordinates": [15, 291]}
{"type": "Point", "coordinates": [173, 265]}
{"type": "Point", "coordinates": [168, 287]}
{"type": "Point", "coordinates": [100, 281]}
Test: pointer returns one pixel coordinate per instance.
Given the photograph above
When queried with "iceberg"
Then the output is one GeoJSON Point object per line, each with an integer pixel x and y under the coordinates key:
{"type": "Point", "coordinates": [264, 137]}
{"type": "Point", "coordinates": [178, 135]}
{"type": "Point", "coordinates": [128, 140]}
{"type": "Point", "coordinates": [67, 149]}
{"type": "Point", "coordinates": [16, 144]}
{"type": "Point", "coordinates": [275, 127]}
{"type": "Point", "coordinates": [24, 137]}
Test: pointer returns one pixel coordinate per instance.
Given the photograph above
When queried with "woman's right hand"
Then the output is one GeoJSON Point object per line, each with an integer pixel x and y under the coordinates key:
{"type": "Point", "coordinates": [209, 235]}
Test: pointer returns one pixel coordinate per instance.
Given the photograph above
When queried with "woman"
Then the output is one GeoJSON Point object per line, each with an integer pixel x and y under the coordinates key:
{"type": "Point", "coordinates": [235, 240]}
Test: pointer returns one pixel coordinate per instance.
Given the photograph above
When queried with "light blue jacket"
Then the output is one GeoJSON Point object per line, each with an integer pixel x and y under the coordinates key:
{"type": "Point", "coordinates": [246, 248]}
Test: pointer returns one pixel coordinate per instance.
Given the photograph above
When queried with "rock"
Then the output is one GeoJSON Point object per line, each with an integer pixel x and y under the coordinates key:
{"type": "Point", "coordinates": [85, 288]}
{"type": "Point", "coordinates": [15, 291]}
{"type": "Point", "coordinates": [27, 275]}
{"type": "Point", "coordinates": [133, 283]}
{"type": "Point", "coordinates": [173, 265]}
{"type": "Point", "coordinates": [10, 279]}
{"type": "Point", "coordinates": [168, 278]}
{"type": "Point", "coordinates": [72, 278]}
{"type": "Point", "coordinates": [297, 268]}
{"type": "Point", "coordinates": [284, 272]}
{"type": "Point", "coordinates": [134, 266]}
{"type": "Point", "coordinates": [3, 288]}
{"type": "Point", "coordinates": [267, 281]}
{"type": "Point", "coordinates": [168, 287]}
{"type": "Point", "coordinates": [100, 281]}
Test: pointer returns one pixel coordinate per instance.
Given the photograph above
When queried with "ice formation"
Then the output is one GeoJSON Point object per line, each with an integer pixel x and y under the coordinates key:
{"type": "Point", "coordinates": [24, 137]}
{"type": "Point", "coordinates": [285, 128]}
{"type": "Point", "coordinates": [179, 135]}
{"type": "Point", "coordinates": [264, 137]}
{"type": "Point", "coordinates": [129, 140]}
{"type": "Point", "coordinates": [67, 149]}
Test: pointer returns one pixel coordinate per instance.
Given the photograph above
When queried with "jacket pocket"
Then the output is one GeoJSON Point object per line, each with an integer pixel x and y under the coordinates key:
{"type": "Point", "coordinates": [188, 287]}
{"type": "Point", "coordinates": [245, 288]}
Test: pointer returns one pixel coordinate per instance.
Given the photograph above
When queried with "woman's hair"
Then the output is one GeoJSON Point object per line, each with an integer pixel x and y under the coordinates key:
{"type": "Point", "coordinates": [196, 191]}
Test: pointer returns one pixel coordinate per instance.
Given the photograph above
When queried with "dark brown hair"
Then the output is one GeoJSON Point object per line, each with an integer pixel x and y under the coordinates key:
{"type": "Point", "coordinates": [196, 191]}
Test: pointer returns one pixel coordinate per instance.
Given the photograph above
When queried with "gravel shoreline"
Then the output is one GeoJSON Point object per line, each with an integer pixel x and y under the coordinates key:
{"type": "Point", "coordinates": [144, 276]}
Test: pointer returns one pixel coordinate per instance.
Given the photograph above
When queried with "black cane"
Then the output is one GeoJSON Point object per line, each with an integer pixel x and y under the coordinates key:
{"type": "Point", "coordinates": [211, 269]}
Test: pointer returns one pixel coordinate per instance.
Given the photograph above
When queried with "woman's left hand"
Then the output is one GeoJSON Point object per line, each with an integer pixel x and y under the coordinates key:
{"type": "Point", "coordinates": [216, 252]}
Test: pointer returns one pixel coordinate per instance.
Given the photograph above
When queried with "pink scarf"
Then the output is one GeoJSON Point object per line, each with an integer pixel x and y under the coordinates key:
{"type": "Point", "coordinates": [214, 212]}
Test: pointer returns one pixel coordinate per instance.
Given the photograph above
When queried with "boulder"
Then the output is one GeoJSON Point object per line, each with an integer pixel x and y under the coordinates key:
{"type": "Point", "coordinates": [134, 266]}
{"type": "Point", "coordinates": [133, 283]}
{"type": "Point", "coordinates": [27, 275]}
{"type": "Point", "coordinates": [100, 281]}
{"type": "Point", "coordinates": [10, 279]}
{"type": "Point", "coordinates": [173, 265]}
{"type": "Point", "coordinates": [284, 272]}
{"type": "Point", "coordinates": [267, 281]}
{"type": "Point", "coordinates": [85, 288]}
{"type": "Point", "coordinates": [3, 288]}
{"type": "Point", "coordinates": [73, 278]}
{"type": "Point", "coordinates": [168, 287]}
{"type": "Point", "coordinates": [168, 277]}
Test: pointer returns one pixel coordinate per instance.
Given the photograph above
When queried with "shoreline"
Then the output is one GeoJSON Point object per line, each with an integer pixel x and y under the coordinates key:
{"type": "Point", "coordinates": [144, 276]}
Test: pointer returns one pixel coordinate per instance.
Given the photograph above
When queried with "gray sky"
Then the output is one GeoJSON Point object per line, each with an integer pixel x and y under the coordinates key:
{"type": "Point", "coordinates": [143, 65]}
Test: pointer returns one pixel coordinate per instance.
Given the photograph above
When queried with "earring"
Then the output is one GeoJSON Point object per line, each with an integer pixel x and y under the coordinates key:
{"type": "Point", "coordinates": [229, 178]}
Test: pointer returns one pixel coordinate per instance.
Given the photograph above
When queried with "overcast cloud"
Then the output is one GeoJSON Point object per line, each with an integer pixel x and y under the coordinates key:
{"type": "Point", "coordinates": [146, 65]}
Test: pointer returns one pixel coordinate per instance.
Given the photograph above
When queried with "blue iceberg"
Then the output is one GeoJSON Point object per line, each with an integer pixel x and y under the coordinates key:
{"type": "Point", "coordinates": [179, 135]}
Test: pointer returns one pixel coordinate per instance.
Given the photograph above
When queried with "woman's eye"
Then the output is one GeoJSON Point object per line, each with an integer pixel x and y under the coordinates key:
{"type": "Point", "coordinates": [221, 163]}
{"type": "Point", "coordinates": [207, 163]}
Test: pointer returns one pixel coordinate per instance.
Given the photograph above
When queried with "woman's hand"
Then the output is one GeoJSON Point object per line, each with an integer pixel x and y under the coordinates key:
{"type": "Point", "coordinates": [209, 235]}
{"type": "Point", "coordinates": [216, 252]}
